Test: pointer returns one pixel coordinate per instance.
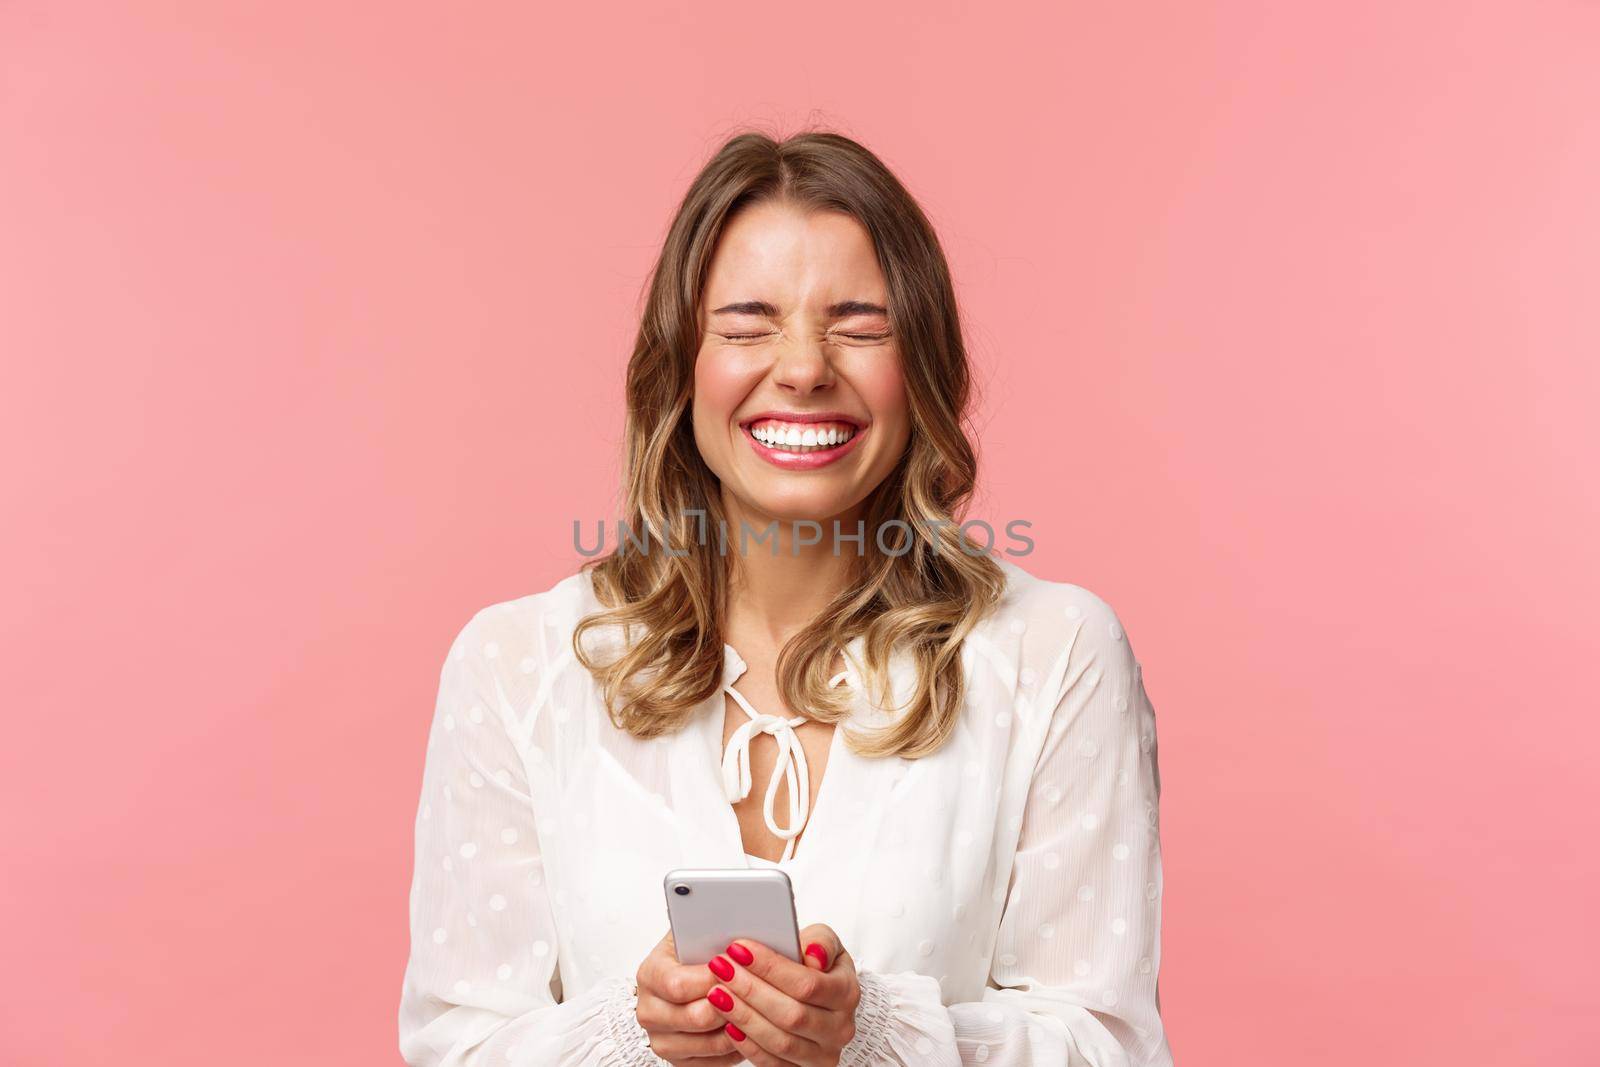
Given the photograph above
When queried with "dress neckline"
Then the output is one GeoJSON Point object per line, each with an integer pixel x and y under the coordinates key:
{"type": "Point", "coordinates": [789, 770]}
{"type": "Point", "coordinates": [846, 774]}
{"type": "Point", "coordinates": [791, 767]}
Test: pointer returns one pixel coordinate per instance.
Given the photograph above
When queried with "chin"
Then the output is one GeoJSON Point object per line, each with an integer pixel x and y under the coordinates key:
{"type": "Point", "coordinates": [799, 504]}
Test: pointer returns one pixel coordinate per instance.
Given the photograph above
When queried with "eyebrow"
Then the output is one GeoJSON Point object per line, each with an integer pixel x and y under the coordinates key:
{"type": "Point", "coordinates": [843, 309]}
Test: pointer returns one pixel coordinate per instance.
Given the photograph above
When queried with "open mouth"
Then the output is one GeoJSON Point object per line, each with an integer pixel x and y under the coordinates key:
{"type": "Point", "coordinates": [802, 441]}
{"type": "Point", "coordinates": [801, 436]}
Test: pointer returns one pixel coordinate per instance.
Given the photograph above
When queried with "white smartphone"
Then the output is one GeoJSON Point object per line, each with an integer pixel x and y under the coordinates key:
{"type": "Point", "coordinates": [709, 907]}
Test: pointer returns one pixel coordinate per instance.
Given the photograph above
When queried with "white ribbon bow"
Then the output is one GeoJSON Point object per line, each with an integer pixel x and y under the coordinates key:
{"type": "Point", "coordinates": [791, 768]}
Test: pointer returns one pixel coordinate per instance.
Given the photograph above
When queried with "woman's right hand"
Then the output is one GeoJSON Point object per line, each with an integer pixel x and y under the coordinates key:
{"type": "Point", "coordinates": [683, 1026]}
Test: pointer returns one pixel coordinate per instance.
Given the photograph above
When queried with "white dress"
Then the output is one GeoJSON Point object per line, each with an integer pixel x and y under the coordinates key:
{"type": "Point", "coordinates": [1001, 898]}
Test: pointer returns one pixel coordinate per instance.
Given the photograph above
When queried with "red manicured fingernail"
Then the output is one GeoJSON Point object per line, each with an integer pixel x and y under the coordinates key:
{"type": "Point", "coordinates": [719, 997]}
{"type": "Point", "coordinates": [721, 968]}
{"type": "Point", "coordinates": [742, 954]}
{"type": "Point", "coordinates": [734, 1032]}
{"type": "Point", "coordinates": [819, 952]}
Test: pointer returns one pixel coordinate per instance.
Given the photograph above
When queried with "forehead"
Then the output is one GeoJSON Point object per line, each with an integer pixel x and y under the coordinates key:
{"type": "Point", "coordinates": [791, 256]}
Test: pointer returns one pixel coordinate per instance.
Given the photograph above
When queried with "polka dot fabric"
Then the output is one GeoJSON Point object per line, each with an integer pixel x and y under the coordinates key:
{"type": "Point", "coordinates": [1001, 897]}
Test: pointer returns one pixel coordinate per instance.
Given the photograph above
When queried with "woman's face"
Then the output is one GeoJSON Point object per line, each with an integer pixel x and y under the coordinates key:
{"type": "Point", "coordinates": [799, 399]}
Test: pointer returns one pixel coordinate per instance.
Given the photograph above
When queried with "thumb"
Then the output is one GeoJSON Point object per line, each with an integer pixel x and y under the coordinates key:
{"type": "Point", "coordinates": [820, 945]}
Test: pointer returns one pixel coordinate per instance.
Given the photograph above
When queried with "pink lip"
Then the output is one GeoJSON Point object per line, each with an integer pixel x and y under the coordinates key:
{"type": "Point", "coordinates": [803, 461]}
{"type": "Point", "coordinates": [803, 416]}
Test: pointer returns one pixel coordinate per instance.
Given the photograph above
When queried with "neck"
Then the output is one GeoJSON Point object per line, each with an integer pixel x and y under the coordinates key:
{"type": "Point", "coordinates": [773, 594]}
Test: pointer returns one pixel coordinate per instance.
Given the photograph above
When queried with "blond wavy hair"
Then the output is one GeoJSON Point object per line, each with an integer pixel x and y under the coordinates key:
{"type": "Point", "coordinates": [669, 605]}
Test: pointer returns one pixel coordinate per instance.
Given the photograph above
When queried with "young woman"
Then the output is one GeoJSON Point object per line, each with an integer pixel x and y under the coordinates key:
{"type": "Point", "coordinates": [966, 752]}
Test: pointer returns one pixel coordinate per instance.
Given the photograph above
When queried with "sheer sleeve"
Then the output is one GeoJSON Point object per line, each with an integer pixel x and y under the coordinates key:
{"type": "Point", "coordinates": [481, 985]}
{"type": "Point", "coordinates": [1073, 978]}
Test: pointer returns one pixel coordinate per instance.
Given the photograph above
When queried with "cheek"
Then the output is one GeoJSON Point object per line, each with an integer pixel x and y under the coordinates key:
{"type": "Point", "coordinates": [721, 384]}
{"type": "Point", "coordinates": [719, 387]}
{"type": "Point", "coordinates": [883, 388]}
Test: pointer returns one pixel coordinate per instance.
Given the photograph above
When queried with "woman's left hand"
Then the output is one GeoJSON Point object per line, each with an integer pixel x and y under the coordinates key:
{"type": "Point", "coordinates": [783, 1013]}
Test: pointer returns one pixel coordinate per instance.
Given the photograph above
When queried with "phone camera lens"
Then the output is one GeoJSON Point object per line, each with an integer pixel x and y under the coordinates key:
{"type": "Point", "coordinates": [681, 890]}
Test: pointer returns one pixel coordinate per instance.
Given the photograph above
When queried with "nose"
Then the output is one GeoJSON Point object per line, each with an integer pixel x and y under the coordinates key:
{"type": "Point", "coordinates": [803, 367]}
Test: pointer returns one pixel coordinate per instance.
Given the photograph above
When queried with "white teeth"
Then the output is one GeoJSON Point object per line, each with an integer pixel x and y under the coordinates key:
{"type": "Point", "coordinates": [792, 437]}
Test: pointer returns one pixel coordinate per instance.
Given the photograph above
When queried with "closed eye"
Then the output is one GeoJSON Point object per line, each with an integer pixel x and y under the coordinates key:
{"type": "Point", "coordinates": [849, 336]}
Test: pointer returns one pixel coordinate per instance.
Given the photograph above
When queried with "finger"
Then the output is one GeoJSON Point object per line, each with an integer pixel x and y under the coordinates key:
{"type": "Point", "coordinates": [805, 983]}
{"type": "Point", "coordinates": [819, 945]}
{"type": "Point", "coordinates": [690, 1033]}
{"type": "Point", "coordinates": [658, 1015]}
{"type": "Point", "coordinates": [783, 1045]}
{"type": "Point", "coordinates": [698, 1049]}
{"type": "Point", "coordinates": [845, 966]}
{"type": "Point", "coordinates": [755, 1054]}
{"type": "Point", "coordinates": [819, 1023]}
{"type": "Point", "coordinates": [752, 1052]}
{"type": "Point", "coordinates": [789, 1013]}
{"type": "Point", "coordinates": [828, 1027]}
{"type": "Point", "coordinates": [679, 983]}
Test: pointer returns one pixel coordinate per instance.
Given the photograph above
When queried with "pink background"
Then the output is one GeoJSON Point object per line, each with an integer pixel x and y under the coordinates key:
{"type": "Point", "coordinates": [314, 319]}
